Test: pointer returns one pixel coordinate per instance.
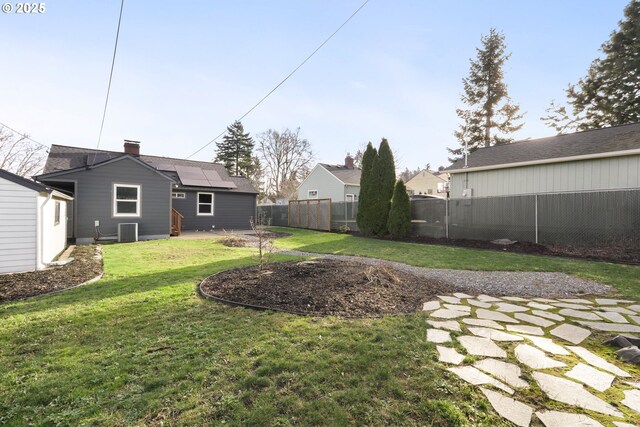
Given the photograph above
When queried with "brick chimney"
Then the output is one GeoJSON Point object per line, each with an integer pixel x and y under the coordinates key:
{"type": "Point", "coordinates": [348, 161]}
{"type": "Point", "coordinates": [132, 147]}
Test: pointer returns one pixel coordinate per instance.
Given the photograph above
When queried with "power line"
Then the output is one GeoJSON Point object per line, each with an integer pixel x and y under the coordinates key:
{"type": "Point", "coordinates": [113, 61]}
{"type": "Point", "coordinates": [286, 78]}
{"type": "Point", "coordinates": [24, 135]}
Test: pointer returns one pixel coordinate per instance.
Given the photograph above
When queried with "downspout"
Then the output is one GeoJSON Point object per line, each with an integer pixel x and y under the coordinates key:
{"type": "Point", "coordinates": [40, 253]}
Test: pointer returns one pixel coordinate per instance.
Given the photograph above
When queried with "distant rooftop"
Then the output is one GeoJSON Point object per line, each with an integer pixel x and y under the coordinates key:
{"type": "Point", "coordinates": [347, 175]}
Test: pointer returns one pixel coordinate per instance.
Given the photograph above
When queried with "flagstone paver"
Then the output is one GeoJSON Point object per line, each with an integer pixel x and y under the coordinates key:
{"type": "Point", "coordinates": [507, 372]}
{"type": "Point", "coordinates": [635, 319]}
{"type": "Point", "coordinates": [481, 313]}
{"type": "Point", "coordinates": [564, 419]}
{"type": "Point", "coordinates": [445, 313]}
{"type": "Point", "coordinates": [535, 320]}
{"type": "Point", "coordinates": [592, 377]}
{"type": "Point", "coordinates": [597, 361]}
{"type": "Point", "coordinates": [620, 310]}
{"type": "Point", "coordinates": [576, 301]}
{"type": "Point", "coordinates": [577, 314]}
{"type": "Point", "coordinates": [612, 316]}
{"type": "Point", "coordinates": [438, 336]}
{"type": "Point", "coordinates": [431, 305]}
{"type": "Point", "coordinates": [636, 385]}
{"type": "Point", "coordinates": [493, 334]}
{"type": "Point", "coordinates": [547, 315]}
{"type": "Point", "coordinates": [572, 393]}
{"type": "Point", "coordinates": [462, 295]}
{"type": "Point", "coordinates": [459, 307]}
{"type": "Point", "coordinates": [517, 299]}
{"type": "Point", "coordinates": [572, 306]}
{"type": "Point", "coordinates": [514, 411]}
{"type": "Point", "coordinates": [540, 306]}
{"type": "Point", "coordinates": [547, 345]}
{"type": "Point", "coordinates": [505, 307]}
{"type": "Point", "coordinates": [449, 299]}
{"type": "Point", "coordinates": [610, 327]}
{"type": "Point", "coordinates": [476, 377]}
{"type": "Point", "coordinates": [487, 298]}
{"type": "Point", "coordinates": [480, 304]}
{"type": "Point", "coordinates": [635, 307]}
{"type": "Point", "coordinates": [619, 424]}
{"type": "Point", "coordinates": [632, 399]}
{"type": "Point", "coordinates": [609, 301]}
{"type": "Point", "coordinates": [534, 358]}
{"type": "Point", "coordinates": [544, 300]}
{"type": "Point", "coordinates": [573, 334]}
{"type": "Point", "coordinates": [485, 323]}
{"type": "Point", "coordinates": [449, 355]}
{"type": "Point", "coordinates": [479, 346]}
{"type": "Point", "coordinates": [525, 329]}
{"type": "Point", "coordinates": [449, 325]}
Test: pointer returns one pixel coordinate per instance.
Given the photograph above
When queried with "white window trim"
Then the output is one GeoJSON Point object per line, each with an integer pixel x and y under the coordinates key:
{"type": "Point", "coordinates": [309, 196]}
{"type": "Point", "coordinates": [178, 195]}
{"type": "Point", "coordinates": [198, 204]}
{"type": "Point", "coordinates": [115, 201]}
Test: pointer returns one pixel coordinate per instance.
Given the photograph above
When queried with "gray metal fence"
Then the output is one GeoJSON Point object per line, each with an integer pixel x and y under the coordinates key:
{"type": "Point", "coordinates": [597, 218]}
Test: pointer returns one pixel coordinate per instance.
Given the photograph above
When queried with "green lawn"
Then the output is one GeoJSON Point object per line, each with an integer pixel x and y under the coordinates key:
{"type": "Point", "coordinates": [624, 277]}
{"type": "Point", "coordinates": [140, 347]}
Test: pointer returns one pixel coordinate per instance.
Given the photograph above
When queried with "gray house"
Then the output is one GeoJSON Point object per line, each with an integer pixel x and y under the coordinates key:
{"type": "Point", "coordinates": [340, 183]}
{"type": "Point", "coordinates": [595, 160]}
{"type": "Point", "coordinates": [161, 195]}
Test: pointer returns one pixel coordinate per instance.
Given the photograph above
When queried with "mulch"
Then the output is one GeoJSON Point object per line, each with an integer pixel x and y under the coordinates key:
{"type": "Point", "coordinates": [84, 267]}
{"type": "Point", "coordinates": [612, 253]}
{"type": "Point", "coordinates": [325, 287]}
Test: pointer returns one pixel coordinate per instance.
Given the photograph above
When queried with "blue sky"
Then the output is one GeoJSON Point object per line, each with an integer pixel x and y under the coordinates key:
{"type": "Point", "coordinates": [185, 70]}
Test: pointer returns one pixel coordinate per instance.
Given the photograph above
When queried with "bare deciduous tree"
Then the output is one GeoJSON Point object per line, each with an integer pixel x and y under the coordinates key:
{"type": "Point", "coordinates": [20, 155]}
{"type": "Point", "coordinates": [286, 158]}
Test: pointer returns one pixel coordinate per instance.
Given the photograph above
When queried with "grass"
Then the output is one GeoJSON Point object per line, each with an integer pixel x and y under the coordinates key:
{"type": "Point", "coordinates": [625, 278]}
{"type": "Point", "coordinates": [140, 347]}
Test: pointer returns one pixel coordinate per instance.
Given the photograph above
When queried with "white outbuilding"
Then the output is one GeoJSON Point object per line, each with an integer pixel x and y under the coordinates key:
{"type": "Point", "coordinates": [33, 224]}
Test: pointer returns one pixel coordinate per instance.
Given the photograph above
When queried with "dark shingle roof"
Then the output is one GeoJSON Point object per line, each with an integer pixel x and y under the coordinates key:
{"type": "Point", "coordinates": [62, 158]}
{"type": "Point", "coordinates": [347, 175]}
{"type": "Point", "coordinates": [17, 179]}
{"type": "Point", "coordinates": [607, 140]}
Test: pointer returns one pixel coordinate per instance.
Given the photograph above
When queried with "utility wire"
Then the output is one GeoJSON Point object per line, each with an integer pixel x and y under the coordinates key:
{"type": "Point", "coordinates": [24, 135]}
{"type": "Point", "coordinates": [113, 61]}
{"type": "Point", "coordinates": [285, 79]}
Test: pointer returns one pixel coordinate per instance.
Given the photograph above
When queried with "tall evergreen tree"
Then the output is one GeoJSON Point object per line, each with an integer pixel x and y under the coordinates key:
{"type": "Point", "coordinates": [399, 224]}
{"type": "Point", "coordinates": [383, 181]}
{"type": "Point", "coordinates": [609, 94]}
{"type": "Point", "coordinates": [235, 151]}
{"type": "Point", "coordinates": [491, 117]}
{"type": "Point", "coordinates": [367, 193]}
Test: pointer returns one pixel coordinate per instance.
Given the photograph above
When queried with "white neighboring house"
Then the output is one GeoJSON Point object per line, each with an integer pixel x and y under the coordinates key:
{"type": "Point", "coordinates": [340, 183]}
{"type": "Point", "coordinates": [33, 224]}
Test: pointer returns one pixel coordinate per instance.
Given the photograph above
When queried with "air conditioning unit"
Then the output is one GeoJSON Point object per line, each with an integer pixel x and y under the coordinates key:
{"type": "Point", "coordinates": [127, 232]}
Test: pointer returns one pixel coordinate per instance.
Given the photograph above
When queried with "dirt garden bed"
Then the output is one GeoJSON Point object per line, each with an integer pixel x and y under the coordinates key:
{"type": "Point", "coordinates": [325, 287]}
{"type": "Point", "coordinates": [85, 266]}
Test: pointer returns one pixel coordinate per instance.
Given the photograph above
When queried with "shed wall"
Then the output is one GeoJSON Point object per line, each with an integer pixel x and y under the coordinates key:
{"type": "Point", "coordinates": [585, 175]}
{"type": "Point", "coordinates": [54, 236]}
{"type": "Point", "coordinates": [18, 219]}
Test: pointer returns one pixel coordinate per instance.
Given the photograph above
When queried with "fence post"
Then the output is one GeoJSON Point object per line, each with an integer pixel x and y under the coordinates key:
{"type": "Point", "coordinates": [446, 216]}
{"type": "Point", "coordinates": [536, 216]}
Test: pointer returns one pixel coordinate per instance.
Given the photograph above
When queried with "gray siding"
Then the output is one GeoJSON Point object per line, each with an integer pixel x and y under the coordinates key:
{"type": "Point", "coordinates": [18, 216]}
{"type": "Point", "coordinates": [94, 199]}
{"type": "Point", "coordinates": [230, 210]}
{"type": "Point", "coordinates": [328, 186]}
{"type": "Point", "coordinates": [586, 175]}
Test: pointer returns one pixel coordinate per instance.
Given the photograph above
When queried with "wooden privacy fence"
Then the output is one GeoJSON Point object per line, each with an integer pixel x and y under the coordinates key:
{"type": "Point", "coordinates": [313, 213]}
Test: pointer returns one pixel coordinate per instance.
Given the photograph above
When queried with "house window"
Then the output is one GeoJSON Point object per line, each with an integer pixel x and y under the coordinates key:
{"type": "Point", "coordinates": [126, 200]}
{"type": "Point", "coordinates": [312, 194]}
{"type": "Point", "coordinates": [351, 198]}
{"type": "Point", "coordinates": [56, 216]}
{"type": "Point", "coordinates": [178, 195]}
{"type": "Point", "coordinates": [205, 204]}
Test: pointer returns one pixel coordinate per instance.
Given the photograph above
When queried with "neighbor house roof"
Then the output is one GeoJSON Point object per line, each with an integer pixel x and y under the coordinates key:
{"type": "Point", "coordinates": [607, 142]}
{"type": "Point", "coordinates": [63, 158]}
{"type": "Point", "coordinates": [32, 185]}
{"type": "Point", "coordinates": [347, 175]}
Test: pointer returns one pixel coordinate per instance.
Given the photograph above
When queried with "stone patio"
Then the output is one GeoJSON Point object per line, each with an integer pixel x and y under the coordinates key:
{"type": "Point", "coordinates": [540, 340]}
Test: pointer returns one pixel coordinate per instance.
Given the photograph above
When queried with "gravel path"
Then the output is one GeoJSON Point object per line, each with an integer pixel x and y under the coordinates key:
{"type": "Point", "coordinates": [515, 283]}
